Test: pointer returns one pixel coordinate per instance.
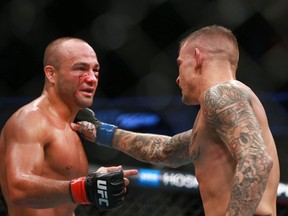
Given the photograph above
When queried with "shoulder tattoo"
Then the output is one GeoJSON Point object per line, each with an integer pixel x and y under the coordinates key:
{"type": "Point", "coordinates": [227, 108]}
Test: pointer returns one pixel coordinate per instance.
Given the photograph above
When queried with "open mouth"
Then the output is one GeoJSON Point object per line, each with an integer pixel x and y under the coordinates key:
{"type": "Point", "coordinates": [88, 92]}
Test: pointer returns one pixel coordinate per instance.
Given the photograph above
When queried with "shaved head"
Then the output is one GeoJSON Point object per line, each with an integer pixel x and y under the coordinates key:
{"type": "Point", "coordinates": [215, 40]}
{"type": "Point", "coordinates": [54, 51]}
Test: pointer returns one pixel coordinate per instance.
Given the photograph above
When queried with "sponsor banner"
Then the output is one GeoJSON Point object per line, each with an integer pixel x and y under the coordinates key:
{"type": "Point", "coordinates": [169, 180]}
{"type": "Point", "coordinates": [165, 179]}
{"type": "Point", "coordinates": [173, 180]}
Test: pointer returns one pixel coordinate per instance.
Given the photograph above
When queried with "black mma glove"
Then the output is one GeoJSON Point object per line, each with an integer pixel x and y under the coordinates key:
{"type": "Point", "coordinates": [105, 131]}
{"type": "Point", "coordinates": [105, 190]}
{"type": "Point", "coordinates": [87, 114]}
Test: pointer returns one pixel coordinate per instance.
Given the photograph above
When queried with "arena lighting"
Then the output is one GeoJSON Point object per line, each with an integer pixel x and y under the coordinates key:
{"type": "Point", "coordinates": [282, 193]}
{"type": "Point", "coordinates": [137, 120]}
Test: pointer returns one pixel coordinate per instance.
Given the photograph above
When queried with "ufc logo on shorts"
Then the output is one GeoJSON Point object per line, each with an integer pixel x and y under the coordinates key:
{"type": "Point", "coordinates": [102, 190]}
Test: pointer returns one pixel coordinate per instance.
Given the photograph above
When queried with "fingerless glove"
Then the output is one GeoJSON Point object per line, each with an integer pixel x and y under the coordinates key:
{"type": "Point", "coordinates": [105, 190]}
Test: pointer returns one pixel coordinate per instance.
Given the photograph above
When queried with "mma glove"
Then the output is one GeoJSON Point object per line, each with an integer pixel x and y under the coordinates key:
{"type": "Point", "coordinates": [105, 190]}
{"type": "Point", "coordinates": [105, 131]}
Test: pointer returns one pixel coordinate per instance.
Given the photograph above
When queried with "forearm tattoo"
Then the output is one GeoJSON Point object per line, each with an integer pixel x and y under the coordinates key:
{"type": "Point", "coordinates": [156, 149]}
{"type": "Point", "coordinates": [87, 130]}
{"type": "Point", "coordinates": [227, 109]}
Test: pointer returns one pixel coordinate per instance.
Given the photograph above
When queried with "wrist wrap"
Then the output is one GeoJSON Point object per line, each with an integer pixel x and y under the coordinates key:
{"type": "Point", "coordinates": [78, 191]}
{"type": "Point", "coordinates": [105, 133]}
{"type": "Point", "coordinates": [105, 190]}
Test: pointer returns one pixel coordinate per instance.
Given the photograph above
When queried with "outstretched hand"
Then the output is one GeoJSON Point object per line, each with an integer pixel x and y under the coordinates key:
{"type": "Point", "coordinates": [86, 129]}
{"type": "Point", "coordinates": [127, 173]}
{"type": "Point", "coordinates": [90, 127]}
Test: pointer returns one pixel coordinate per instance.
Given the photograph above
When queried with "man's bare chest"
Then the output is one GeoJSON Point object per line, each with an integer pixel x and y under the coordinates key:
{"type": "Point", "coordinates": [206, 148]}
{"type": "Point", "coordinates": [65, 155]}
{"type": "Point", "coordinates": [204, 141]}
{"type": "Point", "coordinates": [195, 147]}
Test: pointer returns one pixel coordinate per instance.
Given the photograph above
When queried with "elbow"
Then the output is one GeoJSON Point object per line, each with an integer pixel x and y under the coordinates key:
{"type": "Point", "coordinates": [268, 163]}
{"type": "Point", "coordinates": [264, 165]}
{"type": "Point", "coordinates": [16, 193]}
{"type": "Point", "coordinates": [16, 197]}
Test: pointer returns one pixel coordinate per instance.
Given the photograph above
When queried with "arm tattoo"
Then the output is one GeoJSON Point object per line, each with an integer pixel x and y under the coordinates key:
{"type": "Point", "coordinates": [227, 109]}
{"type": "Point", "coordinates": [156, 149]}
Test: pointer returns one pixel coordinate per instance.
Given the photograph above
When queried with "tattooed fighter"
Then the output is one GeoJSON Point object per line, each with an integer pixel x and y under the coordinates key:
{"type": "Point", "coordinates": [230, 145]}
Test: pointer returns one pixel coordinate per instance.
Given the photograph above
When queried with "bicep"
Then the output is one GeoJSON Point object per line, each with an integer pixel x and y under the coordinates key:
{"type": "Point", "coordinates": [24, 152]}
{"type": "Point", "coordinates": [180, 142]}
{"type": "Point", "coordinates": [24, 158]}
{"type": "Point", "coordinates": [239, 130]}
{"type": "Point", "coordinates": [228, 110]}
{"type": "Point", "coordinates": [158, 149]}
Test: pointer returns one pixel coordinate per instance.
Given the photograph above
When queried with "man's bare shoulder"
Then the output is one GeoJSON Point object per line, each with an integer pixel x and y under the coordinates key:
{"type": "Point", "coordinates": [27, 113]}
{"type": "Point", "coordinates": [223, 94]}
{"type": "Point", "coordinates": [26, 120]}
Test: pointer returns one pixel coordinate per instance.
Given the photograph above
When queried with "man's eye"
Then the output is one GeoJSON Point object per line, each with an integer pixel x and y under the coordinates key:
{"type": "Point", "coordinates": [96, 74]}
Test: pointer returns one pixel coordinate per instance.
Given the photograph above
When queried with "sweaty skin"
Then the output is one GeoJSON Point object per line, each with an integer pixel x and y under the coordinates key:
{"type": "Point", "coordinates": [41, 155]}
{"type": "Point", "coordinates": [230, 145]}
{"type": "Point", "coordinates": [238, 168]}
{"type": "Point", "coordinates": [39, 151]}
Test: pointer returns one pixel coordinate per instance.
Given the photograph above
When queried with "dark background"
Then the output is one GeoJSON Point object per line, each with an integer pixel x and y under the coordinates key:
{"type": "Point", "coordinates": [137, 43]}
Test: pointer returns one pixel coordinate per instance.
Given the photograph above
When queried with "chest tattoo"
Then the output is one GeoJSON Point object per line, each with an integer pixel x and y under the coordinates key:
{"type": "Point", "coordinates": [194, 147]}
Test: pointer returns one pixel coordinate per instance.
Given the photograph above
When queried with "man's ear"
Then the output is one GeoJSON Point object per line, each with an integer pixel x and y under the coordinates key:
{"type": "Point", "coordinates": [198, 59]}
{"type": "Point", "coordinates": [50, 73]}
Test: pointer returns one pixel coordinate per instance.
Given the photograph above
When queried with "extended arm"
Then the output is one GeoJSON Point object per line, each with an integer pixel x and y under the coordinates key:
{"type": "Point", "coordinates": [151, 148]}
{"type": "Point", "coordinates": [156, 149]}
{"type": "Point", "coordinates": [229, 111]}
